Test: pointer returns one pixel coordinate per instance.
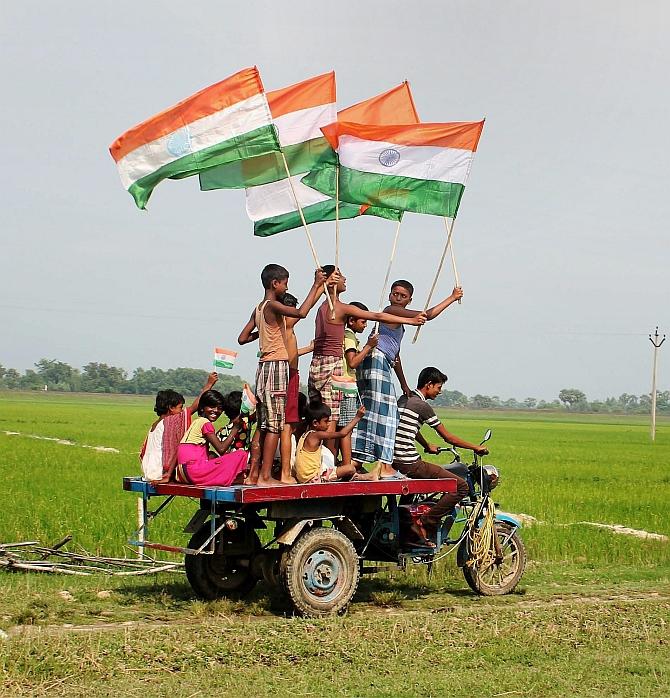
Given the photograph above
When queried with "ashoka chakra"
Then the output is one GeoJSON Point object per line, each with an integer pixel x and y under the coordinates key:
{"type": "Point", "coordinates": [389, 157]}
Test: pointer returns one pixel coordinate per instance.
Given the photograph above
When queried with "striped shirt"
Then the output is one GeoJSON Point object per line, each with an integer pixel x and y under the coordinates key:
{"type": "Point", "coordinates": [413, 411]}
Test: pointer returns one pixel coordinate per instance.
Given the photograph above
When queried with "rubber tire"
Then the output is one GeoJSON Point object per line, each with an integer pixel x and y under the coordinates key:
{"type": "Point", "coordinates": [321, 541]}
{"type": "Point", "coordinates": [513, 547]}
{"type": "Point", "coordinates": [213, 576]}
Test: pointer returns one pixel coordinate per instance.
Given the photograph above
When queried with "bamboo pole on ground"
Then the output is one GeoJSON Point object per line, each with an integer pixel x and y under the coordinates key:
{"type": "Point", "coordinates": [437, 275]}
{"type": "Point", "coordinates": [304, 225]}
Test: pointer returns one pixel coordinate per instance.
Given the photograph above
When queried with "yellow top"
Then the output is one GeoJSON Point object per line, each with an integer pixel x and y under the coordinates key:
{"type": "Point", "coordinates": [307, 463]}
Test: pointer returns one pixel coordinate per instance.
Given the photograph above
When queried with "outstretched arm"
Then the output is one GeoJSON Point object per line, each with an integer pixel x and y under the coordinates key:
{"type": "Point", "coordinates": [413, 318]}
{"type": "Point", "coordinates": [344, 431]}
{"type": "Point", "coordinates": [460, 443]}
{"type": "Point", "coordinates": [209, 384]}
{"type": "Point", "coordinates": [433, 312]}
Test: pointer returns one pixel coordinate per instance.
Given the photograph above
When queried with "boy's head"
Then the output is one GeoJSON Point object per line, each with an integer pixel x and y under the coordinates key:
{"type": "Point", "coordinates": [275, 277]}
{"type": "Point", "coordinates": [401, 293]}
{"type": "Point", "coordinates": [290, 300]}
{"type": "Point", "coordinates": [328, 269]}
{"type": "Point", "coordinates": [232, 404]}
{"type": "Point", "coordinates": [355, 324]}
{"type": "Point", "coordinates": [211, 405]}
{"type": "Point", "coordinates": [168, 402]}
{"type": "Point", "coordinates": [430, 382]}
{"type": "Point", "coordinates": [317, 415]}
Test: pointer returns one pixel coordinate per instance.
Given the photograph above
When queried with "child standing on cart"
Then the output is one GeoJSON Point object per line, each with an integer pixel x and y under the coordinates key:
{"type": "Point", "coordinates": [272, 376]}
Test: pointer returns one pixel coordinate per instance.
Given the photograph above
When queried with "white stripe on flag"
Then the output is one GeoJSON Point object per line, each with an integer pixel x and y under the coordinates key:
{"type": "Point", "coordinates": [236, 120]}
{"type": "Point", "coordinates": [276, 198]}
{"type": "Point", "coordinates": [304, 124]}
{"type": "Point", "coordinates": [416, 161]}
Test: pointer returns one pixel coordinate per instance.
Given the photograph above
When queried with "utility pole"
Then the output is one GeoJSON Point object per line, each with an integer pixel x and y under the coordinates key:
{"type": "Point", "coordinates": [657, 346]}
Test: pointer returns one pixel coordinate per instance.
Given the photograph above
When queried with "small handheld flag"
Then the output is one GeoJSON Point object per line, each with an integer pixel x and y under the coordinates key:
{"type": "Point", "coordinates": [248, 401]}
{"type": "Point", "coordinates": [224, 358]}
{"type": "Point", "coordinates": [345, 385]}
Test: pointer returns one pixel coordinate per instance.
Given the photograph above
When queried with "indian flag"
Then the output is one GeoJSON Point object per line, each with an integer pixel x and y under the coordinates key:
{"type": "Point", "coordinates": [224, 358]}
{"type": "Point", "coordinates": [298, 112]}
{"type": "Point", "coordinates": [248, 400]}
{"type": "Point", "coordinates": [301, 112]}
{"type": "Point", "coordinates": [418, 167]}
{"type": "Point", "coordinates": [224, 124]}
{"type": "Point", "coordinates": [345, 385]}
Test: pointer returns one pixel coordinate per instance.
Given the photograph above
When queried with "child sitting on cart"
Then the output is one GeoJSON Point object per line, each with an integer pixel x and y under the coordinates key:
{"type": "Point", "coordinates": [232, 408]}
{"type": "Point", "coordinates": [308, 463]}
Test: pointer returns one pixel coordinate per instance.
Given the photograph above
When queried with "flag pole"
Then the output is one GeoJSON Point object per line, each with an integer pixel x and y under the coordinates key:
{"type": "Point", "coordinates": [457, 281]}
{"type": "Point", "coordinates": [304, 225]}
{"type": "Point", "coordinates": [388, 271]}
{"type": "Point", "coordinates": [437, 275]}
{"type": "Point", "coordinates": [337, 232]}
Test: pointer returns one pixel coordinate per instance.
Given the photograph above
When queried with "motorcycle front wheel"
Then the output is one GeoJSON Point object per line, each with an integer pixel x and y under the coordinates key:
{"type": "Point", "coordinates": [501, 577]}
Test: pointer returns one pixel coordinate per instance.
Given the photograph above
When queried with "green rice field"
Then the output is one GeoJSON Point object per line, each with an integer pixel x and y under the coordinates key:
{"type": "Point", "coordinates": [586, 587]}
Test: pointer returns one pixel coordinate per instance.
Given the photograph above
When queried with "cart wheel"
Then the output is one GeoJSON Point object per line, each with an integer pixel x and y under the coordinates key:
{"type": "Point", "coordinates": [502, 578]}
{"type": "Point", "coordinates": [217, 575]}
{"type": "Point", "coordinates": [321, 572]}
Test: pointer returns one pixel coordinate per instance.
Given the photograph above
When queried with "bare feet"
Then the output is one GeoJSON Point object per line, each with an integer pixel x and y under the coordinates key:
{"type": "Point", "coordinates": [268, 482]}
{"type": "Point", "coordinates": [251, 481]}
{"type": "Point", "coordinates": [290, 480]}
{"type": "Point", "coordinates": [364, 476]}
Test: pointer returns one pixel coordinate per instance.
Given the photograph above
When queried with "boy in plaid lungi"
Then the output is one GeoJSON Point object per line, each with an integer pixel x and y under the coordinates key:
{"type": "Point", "coordinates": [327, 359]}
{"type": "Point", "coordinates": [269, 318]}
{"type": "Point", "coordinates": [374, 437]}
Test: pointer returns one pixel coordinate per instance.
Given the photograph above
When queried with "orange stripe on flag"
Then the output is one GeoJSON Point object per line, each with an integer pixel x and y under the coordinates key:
{"type": "Point", "coordinates": [232, 90]}
{"type": "Point", "coordinates": [303, 95]}
{"type": "Point", "coordinates": [464, 135]}
{"type": "Point", "coordinates": [393, 107]}
{"type": "Point", "coordinates": [230, 352]}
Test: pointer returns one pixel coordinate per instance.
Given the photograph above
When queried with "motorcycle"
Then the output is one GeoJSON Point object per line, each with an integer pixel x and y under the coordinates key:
{"type": "Point", "coordinates": [488, 547]}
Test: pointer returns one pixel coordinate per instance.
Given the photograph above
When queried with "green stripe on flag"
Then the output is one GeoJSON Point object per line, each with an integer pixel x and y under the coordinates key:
{"type": "Point", "coordinates": [390, 191]}
{"type": "Point", "coordinates": [301, 157]}
{"type": "Point", "coordinates": [249, 145]}
{"type": "Point", "coordinates": [219, 363]}
{"type": "Point", "coordinates": [324, 211]}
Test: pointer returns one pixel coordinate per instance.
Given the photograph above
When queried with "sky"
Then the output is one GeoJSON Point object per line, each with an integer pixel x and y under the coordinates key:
{"type": "Point", "coordinates": [561, 240]}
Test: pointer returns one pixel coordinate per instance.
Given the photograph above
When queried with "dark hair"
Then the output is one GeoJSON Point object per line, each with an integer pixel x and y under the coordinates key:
{"type": "Point", "coordinates": [316, 411]}
{"type": "Point", "coordinates": [290, 300]}
{"type": "Point", "coordinates": [165, 399]}
{"type": "Point", "coordinates": [360, 306]}
{"type": "Point", "coordinates": [430, 374]}
{"type": "Point", "coordinates": [232, 404]}
{"type": "Point", "coordinates": [328, 269]}
{"type": "Point", "coordinates": [404, 284]}
{"type": "Point", "coordinates": [210, 398]}
{"type": "Point", "coordinates": [273, 272]}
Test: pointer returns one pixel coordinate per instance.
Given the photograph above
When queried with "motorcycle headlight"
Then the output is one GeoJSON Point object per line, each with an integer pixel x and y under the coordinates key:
{"type": "Point", "coordinates": [491, 473]}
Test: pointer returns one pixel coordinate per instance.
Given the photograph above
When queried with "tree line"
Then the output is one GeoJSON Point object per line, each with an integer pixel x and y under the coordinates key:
{"type": "Point", "coordinates": [570, 399]}
{"type": "Point", "coordinates": [102, 378]}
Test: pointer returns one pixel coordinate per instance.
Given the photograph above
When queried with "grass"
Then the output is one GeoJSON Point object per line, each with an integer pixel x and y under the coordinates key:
{"type": "Point", "coordinates": [589, 618]}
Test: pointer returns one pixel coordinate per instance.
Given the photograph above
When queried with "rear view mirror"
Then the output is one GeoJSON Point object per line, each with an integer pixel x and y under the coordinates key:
{"type": "Point", "coordinates": [487, 436]}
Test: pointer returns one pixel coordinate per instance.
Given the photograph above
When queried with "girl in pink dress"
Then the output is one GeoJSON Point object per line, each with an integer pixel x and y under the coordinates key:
{"type": "Point", "coordinates": [196, 467]}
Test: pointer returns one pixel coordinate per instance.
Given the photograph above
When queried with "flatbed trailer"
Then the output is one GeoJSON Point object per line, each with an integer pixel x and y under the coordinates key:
{"type": "Point", "coordinates": [319, 538]}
